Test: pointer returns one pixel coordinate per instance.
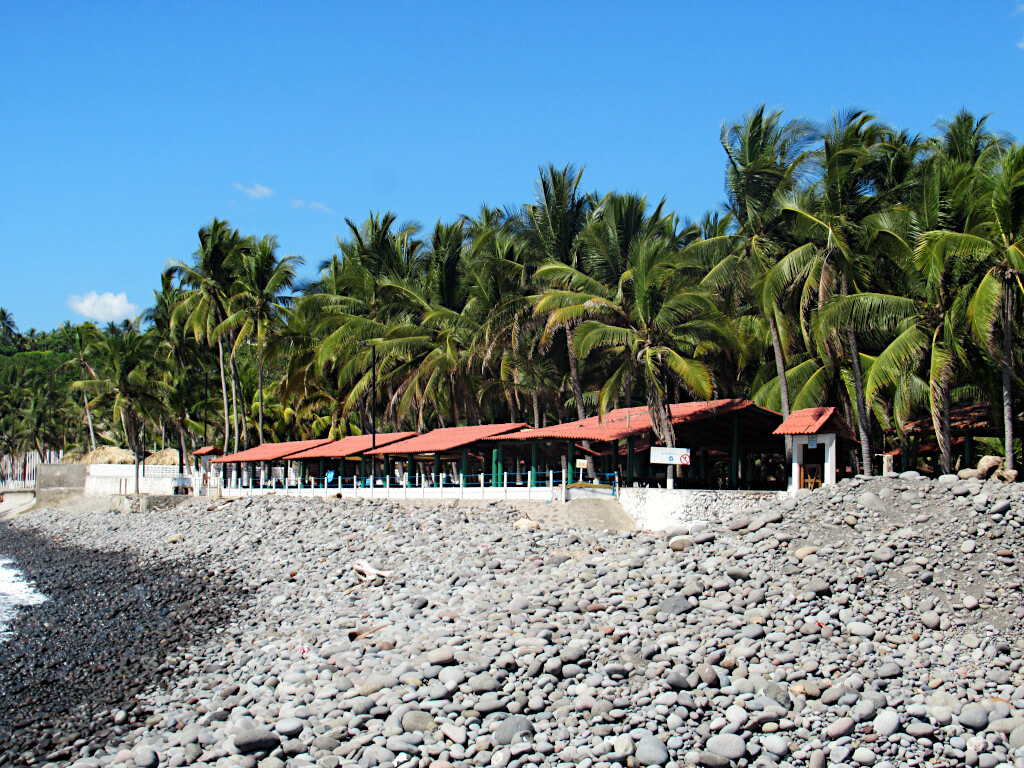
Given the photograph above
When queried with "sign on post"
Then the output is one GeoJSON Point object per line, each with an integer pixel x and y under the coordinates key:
{"type": "Point", "coordinates": [581, 463]}
{"type": "Point", "coordinates": [662, 455]}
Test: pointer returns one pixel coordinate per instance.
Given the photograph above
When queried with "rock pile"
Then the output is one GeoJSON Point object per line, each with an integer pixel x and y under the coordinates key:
{"type": "Point", "coordinates": [877, 622]}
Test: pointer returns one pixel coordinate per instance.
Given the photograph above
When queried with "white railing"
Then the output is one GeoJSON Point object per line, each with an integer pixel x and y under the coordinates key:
{"type": "Point", "coordinates": [551, 486]}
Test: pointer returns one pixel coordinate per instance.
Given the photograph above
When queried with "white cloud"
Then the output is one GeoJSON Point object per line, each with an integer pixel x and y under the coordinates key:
{"type": "Point", "coordinates": [103, 307]}
{"type": "Point", "coordinates": [256, 191]}
{"type": "Point", "coordinates": [1020, 43]}
{"type": "Point", "coordinates": [312, 205]}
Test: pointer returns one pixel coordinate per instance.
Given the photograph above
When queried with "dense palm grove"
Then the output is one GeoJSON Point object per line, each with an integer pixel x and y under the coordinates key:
{"type": "Point", "coordinates": [851, 264]}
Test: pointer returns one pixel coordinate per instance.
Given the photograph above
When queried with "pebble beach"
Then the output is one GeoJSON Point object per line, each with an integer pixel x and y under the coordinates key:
{"type": "Point", "coordinates": [872, 623]}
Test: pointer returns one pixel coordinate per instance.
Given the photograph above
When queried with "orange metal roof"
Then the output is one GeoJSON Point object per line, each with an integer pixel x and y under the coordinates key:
{"type": "Point", "coordinates": [271, 451]}
{"type": "Point", "coordinates": [806, 421]}
{"type": "Point", "coordinates": [351, 446]}
{"type": "Point", "coordinates": [448, 438]}
{"type": "Point", "coordinates": [208, 450]}
{"type": "Point", "coordinates": [630, 422]}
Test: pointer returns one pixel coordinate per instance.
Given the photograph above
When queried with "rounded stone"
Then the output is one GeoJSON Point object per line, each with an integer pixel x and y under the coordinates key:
{"type": "Point", "coordinates": [651, 751]}
{"type": "Point", "coordinates": [727, 745]}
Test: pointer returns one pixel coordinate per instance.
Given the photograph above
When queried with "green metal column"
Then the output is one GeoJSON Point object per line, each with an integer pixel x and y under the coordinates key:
{"type": "Point", "coordinates": [570, 464]}
{"type": "Point", "coordinates": [734, 456]}
{"type": "Point", "coordinates": [533, 463]}
{"type": "Point", "coordinates": [322, 472]}
{"type": "Point", "coordinates": [494, 467]}
{"type": "Point", "coordinates": [437, 470]}
{"type": "Point", "coordinates": [465, 463]}
{"type": "Point", "coordinates": [499, 471]}
{"type": "Point", "coordinates": [630, 460]}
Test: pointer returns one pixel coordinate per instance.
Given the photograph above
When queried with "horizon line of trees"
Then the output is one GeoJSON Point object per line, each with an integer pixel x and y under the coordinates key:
{"type": "Point", "coordinates": [851, 264]}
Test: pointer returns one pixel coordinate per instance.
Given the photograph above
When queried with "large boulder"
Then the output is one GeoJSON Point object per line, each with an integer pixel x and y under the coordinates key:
{"type": "Point", "coordinates": [987, 466]}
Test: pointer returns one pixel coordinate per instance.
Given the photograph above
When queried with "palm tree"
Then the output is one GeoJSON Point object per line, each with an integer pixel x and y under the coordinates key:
{"type": "Point", "coordinates": [84, 338]}
{"type": "Point", "coordinates": [832, 215]}
{"type": "Point", "coordinates": [652, 319]}
{"type": "Point", "coordinates": [127, 385]}
{"type": "Point", "coordinates": [257, 300]}
{"type": "Point", "coordinates": [553, 229]}
{"type": "Point", "coordinates": [203, 305]}
{"type": "Point", "coordinates": [8, 328]}
{"type": "Point", "coordinates": [767, 159]}
{"type": "Point", "coordinates": [998, 245]}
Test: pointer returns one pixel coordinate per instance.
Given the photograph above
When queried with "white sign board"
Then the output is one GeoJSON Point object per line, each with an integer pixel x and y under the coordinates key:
{"type": "Point", "coordinates": [662, 455]}
{"type": "Point", "coordinates": [581, 463]}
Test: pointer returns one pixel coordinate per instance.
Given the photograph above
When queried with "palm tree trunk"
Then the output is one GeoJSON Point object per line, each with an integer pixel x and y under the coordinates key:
{"type": "Point", "coordinates": [224, 395]}
{"type": "Point", "coordinates": [536, 409]}
{"type": "Point", "coordinates": [780, 370]}
{"type": "Point", "coordinates": [88, 416]}
{"type": "Point", "coordinates": [261, 392]}
{"type": "Point", "coordinates": [940, 423]}
{"type": "Point", "coordinates": [574, 372]}
{"type": "Point", "coordinates": [858, 388]}
{"type": "Point", "coordinates": [181, 448]}
{"type": "Point", "coordinates": [780, 364]}
{"type": "Point", "coordinates": [1006, 363]}
{"type": "Point", "coordinates": [234, 397]}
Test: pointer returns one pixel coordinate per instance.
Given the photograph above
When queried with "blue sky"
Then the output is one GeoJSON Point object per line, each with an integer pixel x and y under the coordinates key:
{"type": "Point", "coordinates": [126, 126]}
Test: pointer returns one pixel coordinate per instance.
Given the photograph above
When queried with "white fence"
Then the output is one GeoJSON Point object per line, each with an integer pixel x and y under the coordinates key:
{"type": "Point", "coordinates": [19, 472]}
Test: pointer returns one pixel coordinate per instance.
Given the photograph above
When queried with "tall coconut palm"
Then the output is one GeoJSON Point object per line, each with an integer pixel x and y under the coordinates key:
{"type": "Point", "coordinates": [257, 299]}
{"type": "Point", "coordinates": [766, 161]}
{"type": "Point", "coordinates": [652, 319]}
{"type": "Point", "coordinates": [84, 338]}
{"type": "Point", "coordinates": [998, 246]}
{"type": "Point", "coordinates": [128, 385]}
{"type": "Point", "coordinates": [832, 216]}
{"type": "Point", "coordinates": [8, 328]}
{"type": "Point", "coordinates": [553, 229]}
{"type": "Point", "coordinates": [208, 282]}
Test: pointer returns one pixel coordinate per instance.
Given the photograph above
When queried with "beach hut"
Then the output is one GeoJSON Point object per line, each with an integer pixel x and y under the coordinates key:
{"type": "Point", "coordinates": [726, 432]}
{"type": "Point", "coordinates": [424, 454]}
{"type": "Point", "coordinates": [265, 455]}
{"type": "Point", "coordinates": [815, 433]}
{"type": "Point", "coordinates": [353, 448]}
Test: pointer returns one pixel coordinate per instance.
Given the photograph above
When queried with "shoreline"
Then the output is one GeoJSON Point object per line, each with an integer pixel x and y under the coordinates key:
{"type": "Point", "coordinates": [76, 662]}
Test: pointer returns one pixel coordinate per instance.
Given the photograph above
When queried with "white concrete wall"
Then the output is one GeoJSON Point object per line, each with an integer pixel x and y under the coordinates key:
{"type": "Point", "coordinates": [655, 509]}
{"type": "Point", "coordinates": [110, 479]}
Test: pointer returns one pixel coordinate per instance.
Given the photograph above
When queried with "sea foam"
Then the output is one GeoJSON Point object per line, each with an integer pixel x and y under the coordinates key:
{"type": "Point", "coordinates": [14, 592]}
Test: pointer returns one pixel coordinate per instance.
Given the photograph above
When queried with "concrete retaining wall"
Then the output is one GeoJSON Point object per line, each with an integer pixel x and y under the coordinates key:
{"type": "Point", "coordinates": [65, 477]}
{"type": "Point", "coordinates": [655, 509]}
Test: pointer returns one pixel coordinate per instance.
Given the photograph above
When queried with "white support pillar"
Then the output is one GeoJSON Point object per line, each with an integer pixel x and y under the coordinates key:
{"type": "Point", "coordinates": [830, 459]}
{"type": "Point", "coordinates": [799, 441]}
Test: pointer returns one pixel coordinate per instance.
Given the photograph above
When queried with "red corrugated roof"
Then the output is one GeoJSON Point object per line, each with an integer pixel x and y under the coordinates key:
{"type": "Point", "coordinates": [271, 451]}
{"type": "Point", "coordinates": [351, 446]}
{"type": "Point", "coordinates": [208, 450]}
{"type": "Point", "coordinates": [448, 438]}
{"type": "Point", "coordinates": [629, 422]}
{"type": "Point", "coordinates": [806, 421]}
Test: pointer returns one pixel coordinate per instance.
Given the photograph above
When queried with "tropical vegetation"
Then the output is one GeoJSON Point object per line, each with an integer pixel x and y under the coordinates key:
{"type": "Point", "coordinates": [851, 264]}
